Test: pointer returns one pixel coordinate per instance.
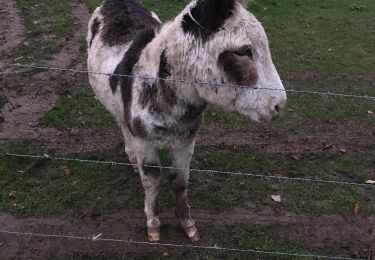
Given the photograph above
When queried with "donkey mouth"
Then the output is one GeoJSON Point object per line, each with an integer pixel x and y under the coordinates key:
{"type": "Point", "coordinates": [262, 118]}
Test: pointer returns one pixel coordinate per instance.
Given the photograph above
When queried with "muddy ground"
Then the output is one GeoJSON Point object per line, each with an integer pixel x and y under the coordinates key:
{"type": "Point", "coordinates": [350, 235]}
{"type": "Point", "coordinates": [23, 101]}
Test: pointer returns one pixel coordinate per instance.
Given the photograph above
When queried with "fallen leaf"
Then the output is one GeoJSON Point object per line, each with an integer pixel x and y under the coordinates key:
{"type": "Point", "coordinates": [276, 198]}
{"type": "Point", "coordinates": [331, 50]}
{"type": "Point", "coordinates": [342, 150]}
{"type": "Point", "coordinates": [357, 208]}
{"type": "Point", "coordinates": [295, 157]}
{"type": "Point", "coordinates": [327, 146]}
{"type": "Point", "coordinates": [18, 58]}
{"type": "Point", "coordinates": [242, 183]}
{"type": "Point", "coordinates": [166, 254]}
{"type": "Point", "coordinates": [291, 110]}
{"type": "Point", "coordinates": [65, 170]}
{"type": "Point", "coordinates": [12, 194]}
{"type": "Point", "coordinates": [370, 112]}
{"type": "Point", "coordinates": [370, 182]}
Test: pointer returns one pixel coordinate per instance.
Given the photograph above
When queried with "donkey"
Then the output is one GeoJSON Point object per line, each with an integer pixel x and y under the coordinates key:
{"type": "Point", "coordinates": [209, 41]}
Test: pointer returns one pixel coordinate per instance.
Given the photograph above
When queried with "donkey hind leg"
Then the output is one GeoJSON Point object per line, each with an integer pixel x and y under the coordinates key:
{"type": "Point", "coordinates": [145, 157]}
{"type": "Point", "coordinates": [179, 180]}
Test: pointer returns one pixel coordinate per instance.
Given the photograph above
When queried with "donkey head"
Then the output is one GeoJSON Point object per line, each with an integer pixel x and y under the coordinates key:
{"type": "Point", "coordinates": [220, 41]}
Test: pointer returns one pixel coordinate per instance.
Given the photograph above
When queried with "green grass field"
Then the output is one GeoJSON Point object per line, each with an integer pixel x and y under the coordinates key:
{"type": "Point", "coordinates": [320, 46]}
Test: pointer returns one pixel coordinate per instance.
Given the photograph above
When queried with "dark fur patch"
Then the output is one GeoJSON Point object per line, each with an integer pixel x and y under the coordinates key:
{"type": "Point", "coordinates": [164, 67]}
{"type": "Point", "coordinates": [161, 97]}
{"type": "Point", "coordinates": [94, 29]}
{"type": "Point", "coordinates": [210, 14]}
{"type": "Point", "coordinates": [168, 94]}
{"type": "Point", "coordinates": [192, 113]}
{"type": "Point", "coordinates": [239, 69]}
{"type": "Point", "coordinates": [139, 128]}
{"type": "Point", "coordinates": [147, 94]}
{"type": "Point", "coordinates": [182, 210]}
{"type": "Point", "coordinates": [156, 208]}
{"type": "Point", "coordinates": [126, 66]}
{"type": "Point", "coordinates": [123, 19]}
{"type": "Point", "coordinates": [193, 129]}
{"type": "Point", "coordinates": [153, 171]}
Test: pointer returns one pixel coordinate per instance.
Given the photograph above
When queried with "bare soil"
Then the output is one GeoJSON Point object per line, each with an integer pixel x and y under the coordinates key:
{"type": "Point", "coordinates": [11, 26]}
{"type": "Point", "coordinates": [342, 140]}
{"type": "Point", "coordinates": [31, 99]}
{"type": "Point", "coordinates": [346, 234]}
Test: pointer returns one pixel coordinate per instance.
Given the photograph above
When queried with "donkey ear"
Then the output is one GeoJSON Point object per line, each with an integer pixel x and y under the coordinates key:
{"type": "Point", "coordinates": [207, 16]}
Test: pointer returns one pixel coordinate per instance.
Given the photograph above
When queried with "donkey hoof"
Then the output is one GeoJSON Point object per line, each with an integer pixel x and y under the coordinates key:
{"type": "Point", "coordinates": [153, 234]}
{"type": "Point", "coordinates": [192, 233]}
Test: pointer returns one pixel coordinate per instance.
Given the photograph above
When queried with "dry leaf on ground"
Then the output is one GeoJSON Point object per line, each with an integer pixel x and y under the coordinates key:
{"type": "Point", "coordinates": [357, 208]}
{"type": "Point", "coordinates": [276, 198]}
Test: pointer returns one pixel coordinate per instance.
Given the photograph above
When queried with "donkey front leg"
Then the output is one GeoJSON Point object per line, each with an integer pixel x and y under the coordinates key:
{"type": "Point", "coordinates": [179, 180]}
{"type": "Point", "coordinates": [148, 167]}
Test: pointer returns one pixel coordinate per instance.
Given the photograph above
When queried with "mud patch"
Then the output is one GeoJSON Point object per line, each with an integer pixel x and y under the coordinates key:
{"type": "Point", "coordinates": [11, 26]}
{"type": "Point", "coordinates": [212, 135]}
{"type": "Point", "coordinates": [343, 138]}
{"type": "Point", "coordinates": [30, 99]}
{"type": "Point", "coordinates": [71, 50]}
{"type": "Point", "coordinates": [349, 235]}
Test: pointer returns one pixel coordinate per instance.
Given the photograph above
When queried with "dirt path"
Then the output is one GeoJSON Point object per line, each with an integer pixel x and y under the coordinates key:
{"type": "Point", "coordinates": [339, 141]}
{"type": "Point", "coordinates": [349, 235]}
{"type": "Point", "coordinates": [11, 26]}
{"type": "Point", "coordinates": [24, 108]}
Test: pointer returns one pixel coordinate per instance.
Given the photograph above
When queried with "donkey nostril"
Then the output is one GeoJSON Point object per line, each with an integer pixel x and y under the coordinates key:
{"type": "Point", "coordinates": [279, 107]}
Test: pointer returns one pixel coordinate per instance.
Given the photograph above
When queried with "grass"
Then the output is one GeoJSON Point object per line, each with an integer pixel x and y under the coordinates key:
{"type": "Point", "coordinates": [264, 239]}
{"type": "Point", "coordinates": [165, 9]}
{"type": "Point", "coordinates": [331, 37]}
{"type": "Point", "coordinates": [78, 108]}
{"type": "Point", "coordinates": [45, 187]}
{"type": "Point", "coordinates": [48, 25]}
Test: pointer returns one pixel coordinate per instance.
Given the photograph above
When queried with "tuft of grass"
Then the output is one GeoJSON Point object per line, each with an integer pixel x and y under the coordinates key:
{"type": "Point", "coordinates": [78, 108]}
{"type": "Point", "coordinates": [48, 25]}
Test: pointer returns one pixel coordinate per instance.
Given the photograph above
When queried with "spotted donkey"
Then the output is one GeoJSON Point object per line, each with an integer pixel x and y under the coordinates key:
{"type": "Point", "coordinates": [209, 41]}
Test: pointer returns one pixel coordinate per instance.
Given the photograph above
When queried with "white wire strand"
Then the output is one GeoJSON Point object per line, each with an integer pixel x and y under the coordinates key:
{"type": "Point", "coordinates": [198, 247]}
{"type": "Point", "coordinates": [72, 70]}
{"type": "Point", "coordinates": [203, 171]}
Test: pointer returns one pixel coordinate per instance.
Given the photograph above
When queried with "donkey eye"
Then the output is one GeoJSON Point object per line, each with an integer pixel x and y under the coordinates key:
{"type": "Point", "coordinates": [245, 51]}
